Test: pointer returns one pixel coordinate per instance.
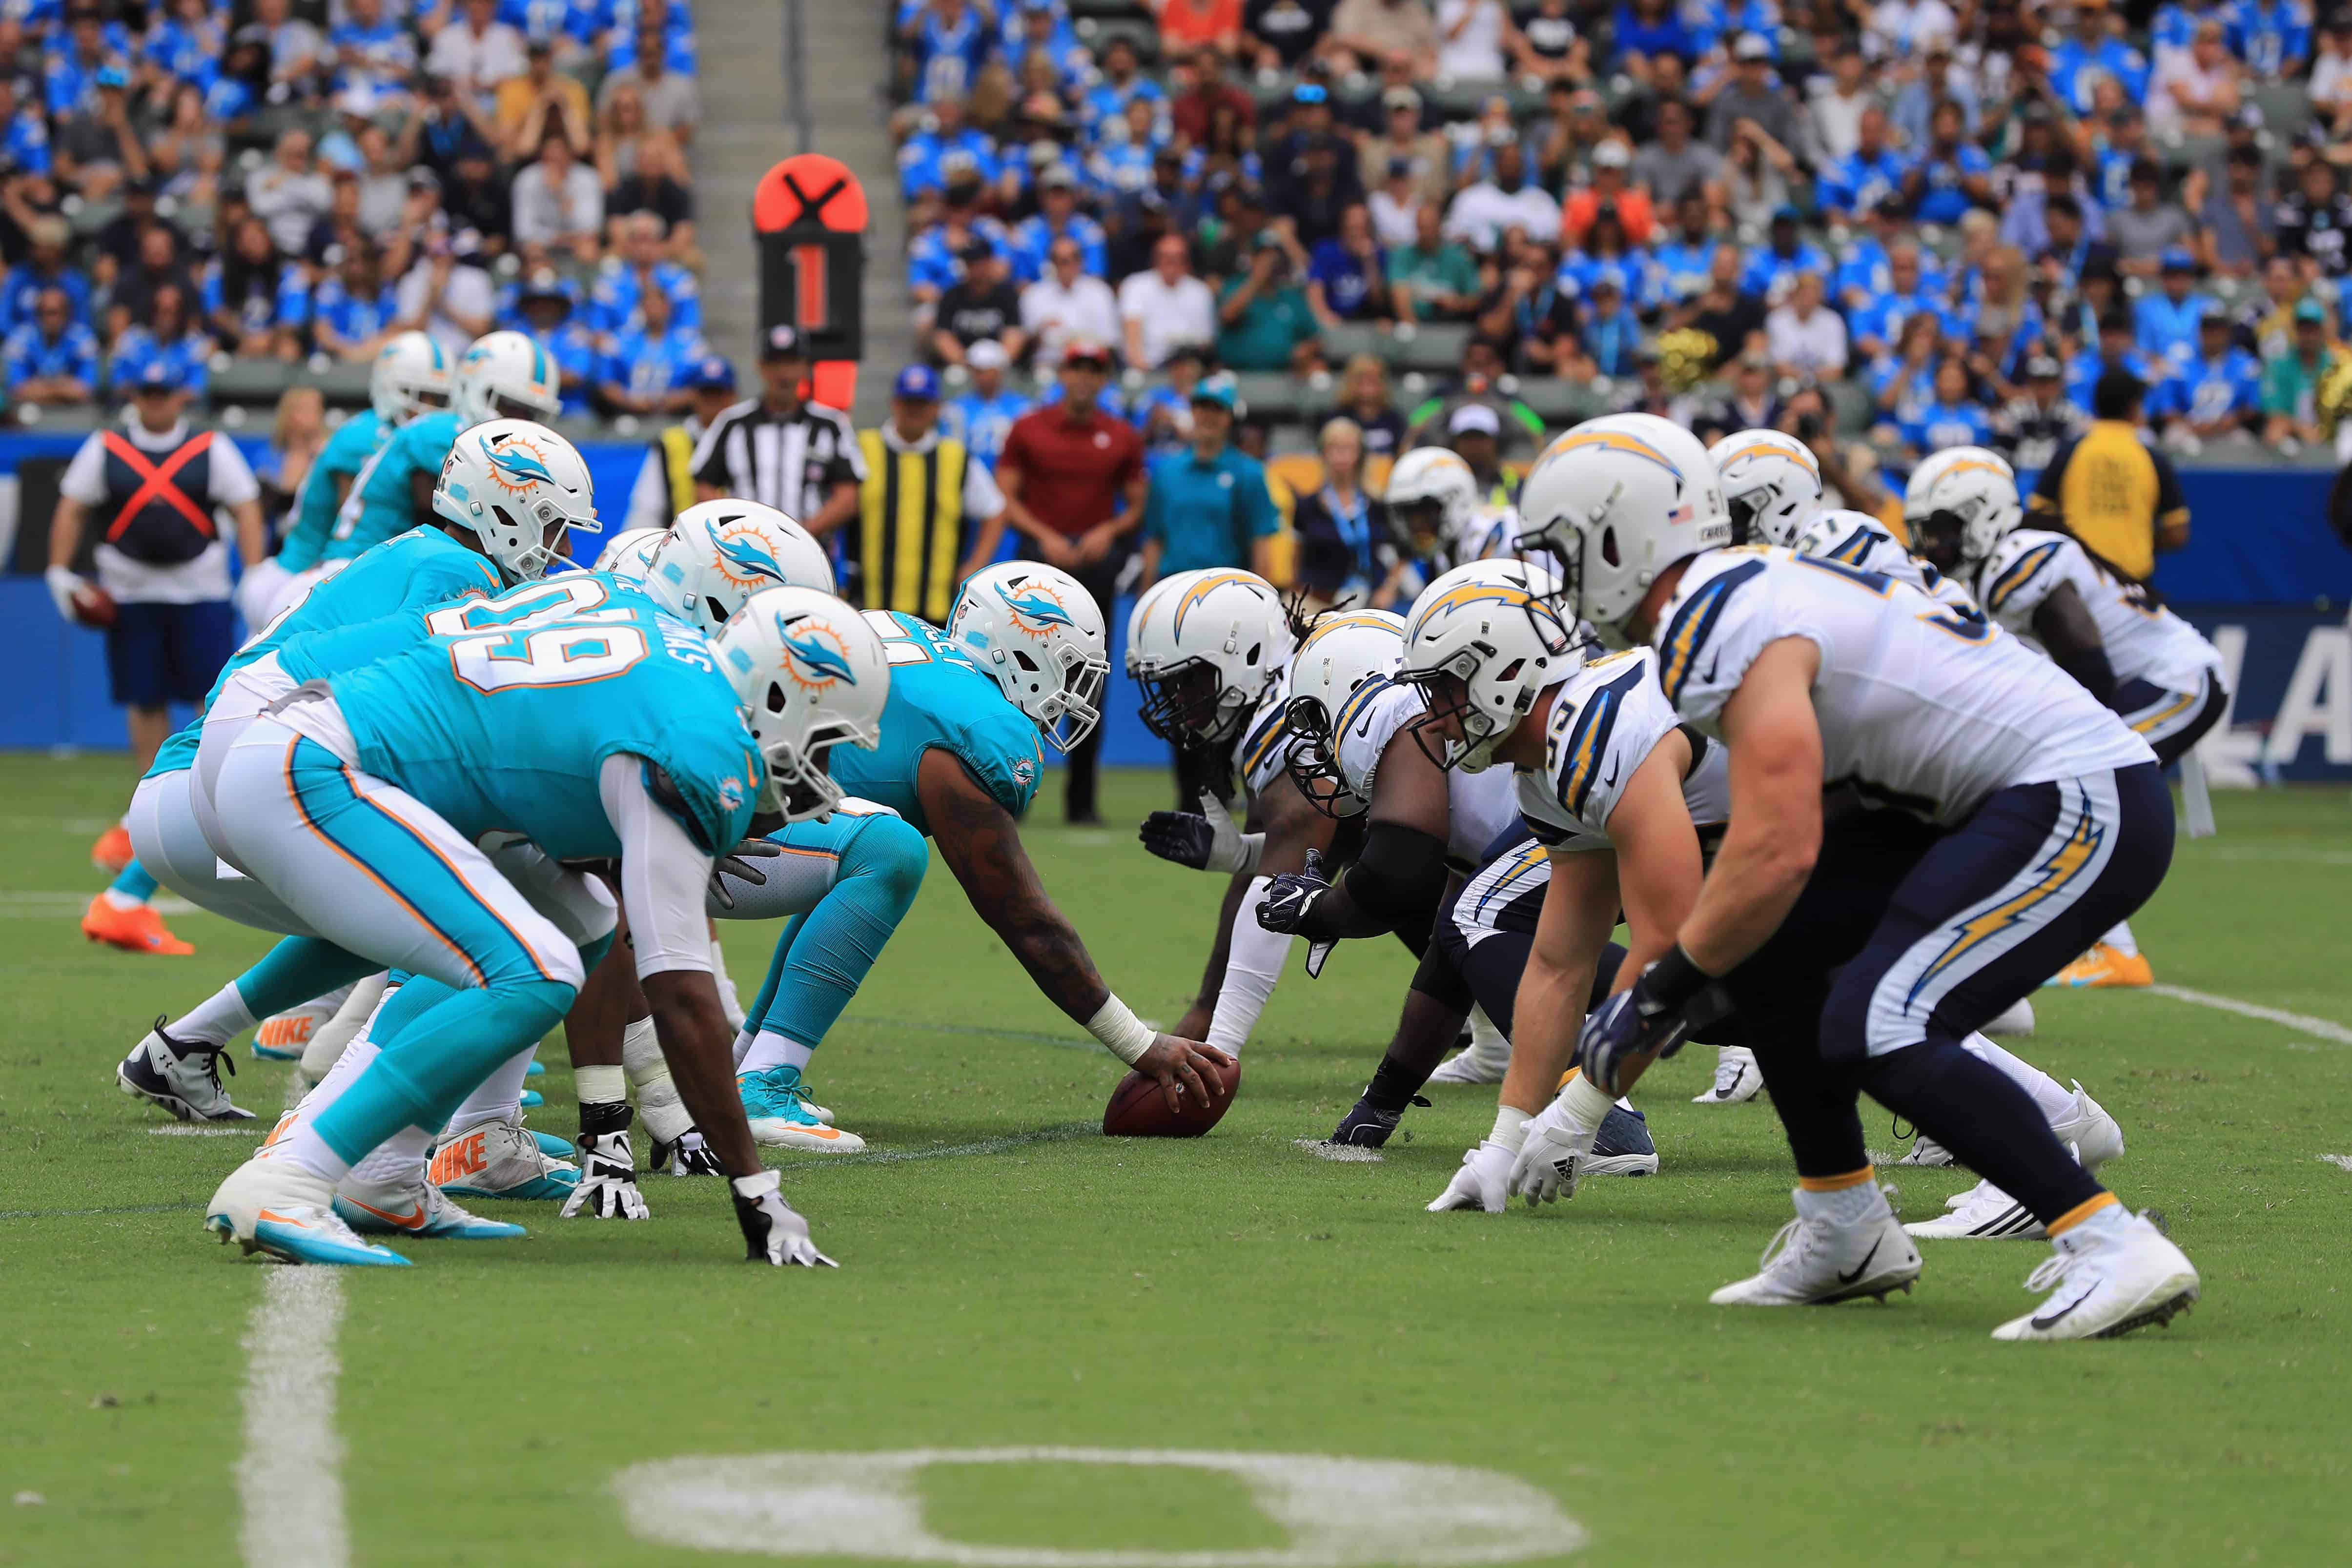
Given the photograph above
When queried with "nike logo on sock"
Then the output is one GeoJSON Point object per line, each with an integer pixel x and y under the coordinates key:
{"type": "Point", "coordinates": [1858, 1268]}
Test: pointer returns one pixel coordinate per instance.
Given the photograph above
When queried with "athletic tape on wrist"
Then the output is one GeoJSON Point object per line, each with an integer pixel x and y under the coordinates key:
{"type": "Point", "coordinates": [599, 1085]}
{"type": "Point", "coordinates": [1126, 1036]}
{"type": "Point", "coordinates": [755, 1187]}
{"type": "Point", "coordinates": [665, 1115]}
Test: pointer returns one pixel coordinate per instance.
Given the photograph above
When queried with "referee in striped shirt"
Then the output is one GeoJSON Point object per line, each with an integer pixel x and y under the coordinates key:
{"type": "Point", "coordinates": [782, 451]}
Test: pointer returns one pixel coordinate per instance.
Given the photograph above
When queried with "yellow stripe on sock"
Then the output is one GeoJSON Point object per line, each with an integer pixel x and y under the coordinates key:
{"type": "Point", "coordinates": [1838, 1183]}
{"type": "Point", "coordinates": [2079, 1213]}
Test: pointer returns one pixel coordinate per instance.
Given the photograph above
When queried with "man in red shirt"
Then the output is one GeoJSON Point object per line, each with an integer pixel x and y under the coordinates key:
{"type": "Point", "coordinates": [1193, 112]}
{"type": "Point", "coordinates": [1066, 471]}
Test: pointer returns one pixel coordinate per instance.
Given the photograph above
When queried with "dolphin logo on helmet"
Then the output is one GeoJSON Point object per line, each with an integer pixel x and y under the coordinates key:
{"type": "Point", "coordinates": [828, 664]}
{"type": "Point", "coordinates": [750, 561]}
{"type": "Point", "coordinates": [514, 461]}
{"type": "Point", "coordinates": [1033, 604]}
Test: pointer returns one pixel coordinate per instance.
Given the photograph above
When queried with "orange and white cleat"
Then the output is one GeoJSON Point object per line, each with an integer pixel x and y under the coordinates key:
{"type": "Point", "coordinates": [113, 851]}
{"type": "Point", "coordinates": [136, 929]}
{"type": "Point", "coordinates": [2103, 968]}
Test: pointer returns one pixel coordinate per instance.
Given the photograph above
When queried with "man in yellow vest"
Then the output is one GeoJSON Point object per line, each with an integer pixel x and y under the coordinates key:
{"type": "Point", "coordinates": [2110, 489]}
{"type": "Point", "coordinates": [928, 516]}
{"type": "Point", "coordinates": [665, 486]}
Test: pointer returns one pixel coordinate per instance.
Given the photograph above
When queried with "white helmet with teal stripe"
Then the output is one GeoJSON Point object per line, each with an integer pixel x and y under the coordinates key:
{"type": "Point", "coordinates": [719, 553]}
{"type": "Point", "coordinates": [410, 376]}
{"type": "Point", "coordinates": [506, 375]}
{"type": "Point", "coordinates": [1038, 632]}
{"type": "Point", "coordinates": [517, 487]}
{"type": "Point", "coordinates": [811, 675]}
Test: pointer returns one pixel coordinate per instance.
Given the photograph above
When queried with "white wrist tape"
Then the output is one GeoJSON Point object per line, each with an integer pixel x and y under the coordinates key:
{"type": "Point", "coordinates": [665, 1115]}
{"type": "Point", "coordinates": [1126, 1036]}
{"type": "Point", "coordinates": [756, 1188]}
{"type": "Point", "coordinates": [1253, 849]}
{"type": "Point", "coordinates": [600, 1085]}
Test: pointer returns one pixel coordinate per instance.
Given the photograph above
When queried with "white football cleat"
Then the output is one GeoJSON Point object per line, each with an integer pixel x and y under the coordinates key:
{"type": "Point", "coordinates": [500, 1159]}
{"type": "Point", "coordinates": [181, 1075]}
{"type": "Point", "coordinates": [1984, 1213]}
{"type": "Point", "coordinates": [2094, 1136]}
{"type": "Point", "coordinates": [1812, 1262]}
{"type": "Point", "coordinates": [1927, 1151]}
{"type": "Point", "coordinates": [1736, 1077]}
{"type": "Point", "coordinates": [2112, 1273]}
{"type": "Point", "coordinates": [782, 1118]}
{"type": "Point", "coordinates": [1484, 1182]}
{"type": "Point", "coordinates": [277, 1208]}
{"type": "Point", "coordinates": [1484, 1060]}
{"type": "Point", "coordinates": [422, 1210]}
{"type": "Point", "coordinates": [2015, 1020]}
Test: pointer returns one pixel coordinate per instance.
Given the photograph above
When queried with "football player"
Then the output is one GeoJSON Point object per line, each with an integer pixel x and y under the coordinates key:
{"type": "Point", "coordinates": [2112, 634]}
{"type": "Point", "coordinates": [1987, 820]}
{"type": "Point", "coordinates": [1357, 749]}
{"type": "Point", "coordinates": [1771, 484]}
{"type": "Point", "coordinates": [619, 733]}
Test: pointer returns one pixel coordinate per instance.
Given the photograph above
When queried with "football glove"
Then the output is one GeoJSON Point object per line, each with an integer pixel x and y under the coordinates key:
{"type": "Point", "coordinates": [694, 1157]}
{"type": "Point", "coordinates": [736, 862]}
{"type": "Point", "coordinates": [1366, 1127]}
{"type": "Point", "coordinates": [1209, 842]}
{"type": "Point", "coordinates": [607, 1189]}
{"type": "Point", "coordinates": [1290, 898]}
{"type": "Point", "coordinates": [772, 1233]}
{"type": "Point", "coordinates": [1482, 1182]}
{"type": "Point", "coordinates": [1629, 1029]}
{"type": "Point", "coordinates": [1547, 1165]}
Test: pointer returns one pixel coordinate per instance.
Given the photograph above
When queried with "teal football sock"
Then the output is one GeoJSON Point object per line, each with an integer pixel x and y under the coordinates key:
{"type": "Point", "coordinates": [297, 970]}
{"type": "Point", "coordinates": [824, 955]}
{"type": "Point", "coordinates": [135, 884]}
{"type": "Point", "coordinates": [438, 1059]}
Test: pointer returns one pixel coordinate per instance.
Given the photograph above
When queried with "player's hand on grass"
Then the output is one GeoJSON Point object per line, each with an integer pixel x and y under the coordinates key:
{"type": "Point", "coordinates": [737, 863]}
{"type": "Point", "coordinates": [1547, 1165]}
{"type": "Point", "coordinates": [1207, 841]}
{"type": "Point", "coordinates": [1482, 1182]}
{"type": "Point", "coordinates": [1178, 1065]}
{"type": "Point", "coordinates": [607, 1189]}
{"type": "Point", "coordinates": [772, 1233]}
{"type": "Point", "coordinates": [694, 1155]}
{"type": "Point", "coordinates": [1290, 898]}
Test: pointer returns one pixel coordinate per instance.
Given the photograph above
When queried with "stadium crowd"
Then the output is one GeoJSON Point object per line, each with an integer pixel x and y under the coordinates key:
{"type": "Point", "coordinates": [1886, 228]}
{"type": "Point", "coordinates": [192, 182]}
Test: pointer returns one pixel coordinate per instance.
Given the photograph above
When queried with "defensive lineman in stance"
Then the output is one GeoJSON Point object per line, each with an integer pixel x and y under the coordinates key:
{"type": "Point", "coordinates": [1987, 821]}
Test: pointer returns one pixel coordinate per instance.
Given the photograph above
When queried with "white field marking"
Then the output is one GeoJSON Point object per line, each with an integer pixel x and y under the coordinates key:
{"type": "Point", "coordinates": [2341, 1161]}
{"type": "Point", "coordinates": [1338, 1512]}
{"type": "Point", "coordinates": [1057, 1135]}
{"type": "Point", "coordinates": [43, 906]}
{"type": "Point", "coordinates": [290, 1483]}
{"type": "Point", "coordinates": [2320, 1029]}
{"type": "Point", "coordinates": [22, 824]}
{"type": "Point", "coordinates": [1346, 1153]}
{"type": "Point", "coordinates": [177, 1131]}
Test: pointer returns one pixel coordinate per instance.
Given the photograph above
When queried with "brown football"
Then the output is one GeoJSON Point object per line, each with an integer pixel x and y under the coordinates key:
{"type": "Point", "coordinates": [93, 606]}
{"type": "Point", "coordinates": [1138, 1111]}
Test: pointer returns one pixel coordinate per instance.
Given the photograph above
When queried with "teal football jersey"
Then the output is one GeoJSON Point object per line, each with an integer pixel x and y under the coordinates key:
{"type": "Point", "coordinates": [939, 697]}
{"type": "Point", "coordinates": [506, 729]}
{"type": "Point", "coordinates": [401, 577]}
{"type": "Point", "coordinates": [315, 655]}
{"type": "Point", "coordinates": [346, 454]}
{"type": "Point", "coordinates": [380, 504]}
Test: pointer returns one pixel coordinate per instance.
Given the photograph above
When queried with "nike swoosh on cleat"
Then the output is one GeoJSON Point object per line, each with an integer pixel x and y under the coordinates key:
{"type": "Point", "coordinates": [1858, 1268]}
{"type": "Point", "coordinates": [412, 1220]}
{"type": "Point", "coordinates": [2069, 1311]}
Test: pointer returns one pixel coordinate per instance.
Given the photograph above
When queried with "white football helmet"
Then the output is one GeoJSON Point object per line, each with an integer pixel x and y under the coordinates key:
{"type": "Point", "coordinates": [1825, 528]}
{"type": "Point", "coordinates": [1616, 501]}
{"type": "Point", "coordinates": [410, 376]}
{"type": "Point", "coordinates": [1340, 655]}
{"type": "Point", "coordinates": [1962, 500]}
{"type": "Point", "coordinates": [626, 552]}
{"type": "Point", "coordinates": [1036, 629]}
{"type": "Point", "coordinates": [1203, 645]}
{"type": "Point", "coordinates": [506, 375]}
{"type": "Point", "coordinates": [719, 553]}
{"type": "Point", "coordinates": [1482, 642]}
{"type": "Point", "coordinates": [1771, 482]}
{"type": "Point", "coordinates": [812, 674]}
{"type": "Point", "coordinates": [1432, 497]}
{"type": "Point", "coordinates": [517, 487]}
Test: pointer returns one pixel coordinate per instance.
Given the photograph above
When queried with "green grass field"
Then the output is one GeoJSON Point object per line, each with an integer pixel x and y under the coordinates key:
{"type": "Point", "coordinates": [1010, 1280]}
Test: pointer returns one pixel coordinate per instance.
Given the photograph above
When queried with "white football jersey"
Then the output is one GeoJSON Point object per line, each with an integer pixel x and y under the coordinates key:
{"type": "Point", "coordinates": [2145, 640]}
{"type": "Point", "coordinates": [1920, 707]}
{"type": "Point", "coordinates": [1604, 723]}
{"type": "Point", "coordinates": [1258, 755]}
{"type": "Point", "coordinates": [1480, 805]}
{"type": "Point", "coordinates": [1858, 541]}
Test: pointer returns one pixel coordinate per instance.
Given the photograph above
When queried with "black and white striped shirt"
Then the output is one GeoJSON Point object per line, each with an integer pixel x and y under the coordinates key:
{"type": "Point", "coordinates": [789, 462]}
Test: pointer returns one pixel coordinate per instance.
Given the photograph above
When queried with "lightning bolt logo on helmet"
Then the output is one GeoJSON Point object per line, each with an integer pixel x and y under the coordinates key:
{"type": "Point", "coordinates": [815, 654]}
{"type": "Point", "coordinates": [1035, 609]}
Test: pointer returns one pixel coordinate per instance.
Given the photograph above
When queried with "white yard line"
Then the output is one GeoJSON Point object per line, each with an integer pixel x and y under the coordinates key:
{"type": "Point", "coordinates": [2319, 1028]}
{"type": "Point", "coordinates": [1011, 1141]}
{"type": "Point", "coordinates": [177, 1129]}
{"type": "Point", "coordinates": [290, 1483]}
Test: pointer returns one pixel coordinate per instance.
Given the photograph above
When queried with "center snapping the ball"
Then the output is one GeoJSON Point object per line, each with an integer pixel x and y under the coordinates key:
{"type": "Point", "coordinates": [1137, 1109]}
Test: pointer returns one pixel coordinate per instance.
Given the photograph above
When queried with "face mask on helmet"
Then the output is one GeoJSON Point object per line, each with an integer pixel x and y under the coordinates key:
{"type": "Point", "coordinates": [1183, 705]}
{"type": "Point", "coordinates": [1938, 537]}
{"type": "Point", "coordinates": [1312, 760]}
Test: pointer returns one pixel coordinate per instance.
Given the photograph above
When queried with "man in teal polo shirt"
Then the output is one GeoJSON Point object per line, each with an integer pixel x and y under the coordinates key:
{"type": "Point", "coordinates": [1263, 320]}
{"type": "Point", "coordinates": [1208, 505]}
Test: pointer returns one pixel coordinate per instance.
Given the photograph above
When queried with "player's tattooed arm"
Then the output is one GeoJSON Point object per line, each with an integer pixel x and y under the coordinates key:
{"type": "Point", "coordinates": [981, 844]}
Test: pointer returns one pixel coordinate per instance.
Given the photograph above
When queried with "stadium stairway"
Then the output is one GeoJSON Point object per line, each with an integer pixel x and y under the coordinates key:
{"type": "Point", "coordinates": [747, 125]}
